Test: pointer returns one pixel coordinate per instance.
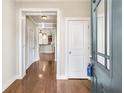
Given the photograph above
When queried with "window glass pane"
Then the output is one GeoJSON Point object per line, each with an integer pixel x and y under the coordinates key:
{"type": "Point", "coordinates": [101, 27]}
{"type": "Point", "coordinates": [108, 43]}
{"type": "Point", "coordinates": [108, 64]}
{"type": "Point", "coordinates": [101, 60]}
{"type": "Point", "coordinates": [108, 27]}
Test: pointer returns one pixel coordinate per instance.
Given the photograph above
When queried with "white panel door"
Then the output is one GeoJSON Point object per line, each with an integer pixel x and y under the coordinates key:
{"type": "Point", "coordinates": [78, 52]}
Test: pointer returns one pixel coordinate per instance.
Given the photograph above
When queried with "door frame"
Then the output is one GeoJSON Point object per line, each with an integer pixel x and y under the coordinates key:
{"type": "Point", "coordinates": [22, 14]}
{"type": "Point", "coordinates": [66, 40]}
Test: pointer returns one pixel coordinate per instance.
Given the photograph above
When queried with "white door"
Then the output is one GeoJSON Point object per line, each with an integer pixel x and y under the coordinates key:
{"type": "Point", "coordinates": [78, 48]}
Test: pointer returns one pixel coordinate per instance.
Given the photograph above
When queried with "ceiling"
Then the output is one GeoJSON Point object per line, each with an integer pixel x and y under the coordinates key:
{"type": "Point", "coordinates": [50, 19]}
{"type": "Point", "coordinates": [52, 0]}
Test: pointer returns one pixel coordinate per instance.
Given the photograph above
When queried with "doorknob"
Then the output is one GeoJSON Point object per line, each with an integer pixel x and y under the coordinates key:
{"type": "Point", "coordinates": [69, 52]}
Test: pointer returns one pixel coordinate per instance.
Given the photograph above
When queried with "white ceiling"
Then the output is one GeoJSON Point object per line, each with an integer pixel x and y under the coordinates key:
{"type": "Point", "coordinates": [53, 0]}
{"type": "Point", "coordinates": [50, 19]}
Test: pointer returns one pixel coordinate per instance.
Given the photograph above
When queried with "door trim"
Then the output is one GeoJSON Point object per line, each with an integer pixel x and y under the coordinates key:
{"type": "Point", "coordinates": [66, 39]}
{"type": "Point", "coordinates": [22, 11]}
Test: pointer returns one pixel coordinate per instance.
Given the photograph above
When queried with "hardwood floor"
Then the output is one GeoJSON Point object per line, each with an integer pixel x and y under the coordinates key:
{"type": "Point", "coordinates": [41, 78]}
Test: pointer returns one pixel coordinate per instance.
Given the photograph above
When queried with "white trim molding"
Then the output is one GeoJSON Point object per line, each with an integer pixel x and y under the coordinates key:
{"type": "Point", "coordinates": [20, 76]}
{"type": "Point", "coordinates": [11, 80]}
{"type": "Point", "coordinates": [41, 14]}
{"type": "Point", "coordinates": [62, 78]}
{"type": "Point", "coordinates": [8, 83]}
{"type": "Point", "coordinates": [22, 14]}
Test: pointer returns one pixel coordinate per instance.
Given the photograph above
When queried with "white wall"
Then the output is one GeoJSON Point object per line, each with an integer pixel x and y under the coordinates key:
{"type": "Point", "coordinates": [68, 9]}
{"type": "Point", "coordinates": [8, 43]}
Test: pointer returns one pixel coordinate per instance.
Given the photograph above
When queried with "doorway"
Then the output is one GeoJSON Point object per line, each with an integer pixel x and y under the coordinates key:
{"type": "Point", "coordinates": [49, 30]}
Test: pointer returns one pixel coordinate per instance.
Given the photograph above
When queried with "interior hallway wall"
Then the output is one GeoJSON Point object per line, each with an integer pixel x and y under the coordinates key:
{"type": "Point", "coordinates": [68, 9]}
{"type": "Point", "coordinates": [30, 42]}
{"type": "Point", "coordinates": [8, 43]}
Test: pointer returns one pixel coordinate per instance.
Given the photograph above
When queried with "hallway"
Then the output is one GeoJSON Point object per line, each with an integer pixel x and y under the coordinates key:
{"type": "Point", "coordinates": [41, 78]}
{"type": "Point", "coordinates": [61, 46]}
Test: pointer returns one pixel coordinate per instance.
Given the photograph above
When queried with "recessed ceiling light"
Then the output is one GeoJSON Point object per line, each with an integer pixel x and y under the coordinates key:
{"type": "Point", "coordinates": [44, 17]}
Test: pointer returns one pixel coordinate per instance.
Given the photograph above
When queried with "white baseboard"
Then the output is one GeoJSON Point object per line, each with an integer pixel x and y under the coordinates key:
{"type": "Point", "coordinates": [61, 78]}
{"type": "Point", "coordinates": [28, 65]}
{"type": "Point", "coordinates": [8, 83]}
{"type": "Point", "coordinates": [37, 59]}
{"type": "Point", "coordinates": [66, 77]}
{"type": "Point", "coordinates": [89, 78]}
{"type": "Point", "coordinates": [46, 51]}
{"type": "Point", "coordinates": [20, 76]}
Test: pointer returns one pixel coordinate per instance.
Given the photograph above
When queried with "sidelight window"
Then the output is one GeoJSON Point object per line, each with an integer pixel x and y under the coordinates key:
{"type": "Point", "coordinates": [103, 33]}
